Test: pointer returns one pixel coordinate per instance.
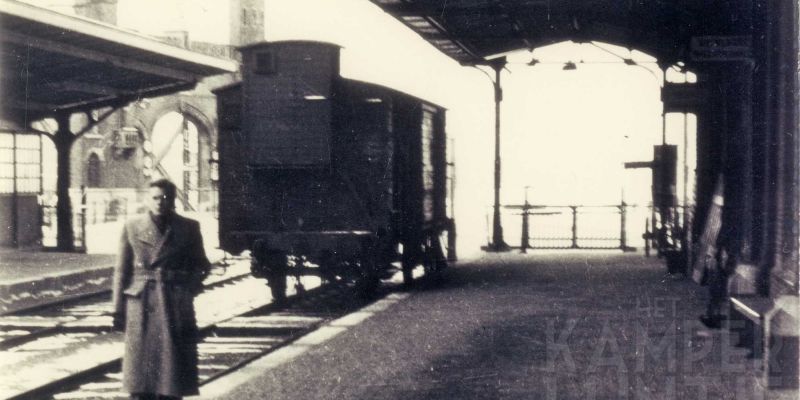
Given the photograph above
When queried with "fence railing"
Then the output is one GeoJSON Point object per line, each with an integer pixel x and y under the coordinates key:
{"type": "Point", "coordinates": [620, 226]}
{"type": "Point", "coordinates": [102, 206]}
{"type": "Point", "coordinates": [50, 228]}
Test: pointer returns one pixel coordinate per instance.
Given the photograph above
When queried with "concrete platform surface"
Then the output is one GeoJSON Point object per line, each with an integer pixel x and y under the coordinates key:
{"type": "Point", "coordinates": [510, 326]}
{"type": "Point", "coordinates": [20, 265]}
{"type": "Point", "coordinates": [31, 277]}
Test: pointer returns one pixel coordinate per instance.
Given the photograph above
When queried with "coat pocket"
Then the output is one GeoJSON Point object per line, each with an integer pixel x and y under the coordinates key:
{"type": "Point", "coordinates": [136, 288]}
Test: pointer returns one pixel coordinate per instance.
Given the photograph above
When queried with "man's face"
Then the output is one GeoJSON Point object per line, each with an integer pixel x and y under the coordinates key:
{"type": "Point", "coordinates": [159, 203]}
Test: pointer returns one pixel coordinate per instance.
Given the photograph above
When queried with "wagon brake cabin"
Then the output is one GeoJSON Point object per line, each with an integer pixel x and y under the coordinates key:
{"type": "Point", "coordinates": [308, 155]}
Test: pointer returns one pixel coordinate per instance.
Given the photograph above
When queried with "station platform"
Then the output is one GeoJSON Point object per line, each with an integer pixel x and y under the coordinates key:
{"type": "Point", "coordinates": [31, 277]}
{"type": "Point", "coordinates": [28, 264]}
{"type": "Point", "coordinates": [574, 325]}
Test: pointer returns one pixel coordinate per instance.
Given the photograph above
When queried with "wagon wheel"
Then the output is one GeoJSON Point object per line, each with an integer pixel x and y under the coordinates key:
{"type": "Point", "coordinates": [271, 264]}
{"type": "Point", "coordinates": [433, 258]}
{"type": "Point", "coordinates": [367, 278]}
{"type": "Point", "coordinates": [299, 263]}
{"type": "Point", "coordinates": [413, 255]}
{"type": "Point", "coordinates": [384, 254]}
{"type": "Point", "coordinates": [328, 267]}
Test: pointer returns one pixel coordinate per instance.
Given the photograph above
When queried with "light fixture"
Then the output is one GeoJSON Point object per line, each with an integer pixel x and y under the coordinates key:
{"type": "Point", "coordinates": [569, 66]}
{"type": "Point", "coordinates": [629, 61]}
{"type": "Point", "coordinates": [533, 62]}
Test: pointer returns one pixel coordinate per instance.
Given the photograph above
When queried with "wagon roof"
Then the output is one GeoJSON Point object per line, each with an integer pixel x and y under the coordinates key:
{"type": "Point", "coordinates": [368, 88]}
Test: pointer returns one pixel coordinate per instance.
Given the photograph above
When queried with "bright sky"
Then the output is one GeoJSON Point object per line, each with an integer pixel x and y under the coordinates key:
{"type": "Point", "coordinates": [565, 133]}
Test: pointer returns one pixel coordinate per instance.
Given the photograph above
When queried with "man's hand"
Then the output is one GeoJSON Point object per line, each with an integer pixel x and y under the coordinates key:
{"type": "Point", "coordinates": [118, 322]}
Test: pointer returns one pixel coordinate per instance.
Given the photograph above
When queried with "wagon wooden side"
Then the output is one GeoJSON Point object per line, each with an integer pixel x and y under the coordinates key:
{"type": "Point", "coordinates": [370, 191]}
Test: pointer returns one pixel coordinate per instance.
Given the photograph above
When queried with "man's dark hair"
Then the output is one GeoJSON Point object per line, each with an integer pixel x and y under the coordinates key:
{"type": "Point", "coordinates": [169, 188]}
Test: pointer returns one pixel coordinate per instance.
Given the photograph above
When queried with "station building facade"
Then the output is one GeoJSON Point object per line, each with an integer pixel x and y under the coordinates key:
{"type": "Point", "coordinates": [171, 136]}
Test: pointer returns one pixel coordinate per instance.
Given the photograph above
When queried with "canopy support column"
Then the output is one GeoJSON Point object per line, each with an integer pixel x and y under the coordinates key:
{"type": "Point", "coordinates": [498, 243]}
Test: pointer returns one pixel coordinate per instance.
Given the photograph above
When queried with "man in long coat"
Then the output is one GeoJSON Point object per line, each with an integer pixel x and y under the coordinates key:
{"type": "Point", "coordinates": [160, 269]}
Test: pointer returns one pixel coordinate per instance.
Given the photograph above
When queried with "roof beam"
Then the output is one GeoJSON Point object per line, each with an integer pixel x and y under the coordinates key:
{"type": "Point", "coordinates": [96, 56]}
{"type": "Point", "coordinates": [467, 36]}
{"type": "Point", "coordinates": [447, 9]}
{"type": "Point", "coordinates": [83, 87]}
{"type": "Point", "coordinates": [43, 109]}
{"type": "Point", "coordinates": [113, 34]}
{"type": "Point", "coordinates": [517, 26]}
{"type": "Point", "coordinates": [28, 105]}
{"type": "Point", "coordinates": [416, 9]}
{"type": "Point", "coordinates": [460, 44]}
{"type": "Point", "coordinates": [124, 99]}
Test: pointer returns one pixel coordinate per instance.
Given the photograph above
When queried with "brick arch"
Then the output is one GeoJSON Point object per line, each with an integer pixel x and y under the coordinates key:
{"type": "Point", "coordinates": [199, 116]}
{"type": "Point", "coordinates": [195, 114]}
{"type": "Point", "coordinates": [98, 151]}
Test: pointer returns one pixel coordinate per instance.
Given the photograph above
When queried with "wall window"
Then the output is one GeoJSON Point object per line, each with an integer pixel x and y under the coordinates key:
{"type": "Point", "coordinates": [265, 63]}
{"type": "Point", "coordinates": [127, 138]}
{"type": "Point", "coordinates": [20, 153]}
{"type": "Point", "coordinates": [93, 171]}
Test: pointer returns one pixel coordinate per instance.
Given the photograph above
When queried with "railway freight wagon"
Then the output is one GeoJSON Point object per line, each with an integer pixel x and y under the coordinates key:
{"type": "Point", "coordinates": [324, 175]}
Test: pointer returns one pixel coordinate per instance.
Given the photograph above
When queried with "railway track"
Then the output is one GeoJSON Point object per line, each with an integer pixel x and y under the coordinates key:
{"type": "Point", "coordinates": [85, 316]}
{"type": "Point", "coordinates": [53, 344]}
{"type": "Point", "coordinates": [230, 344]}
{"type": "Point", "coordinates": [78, 358]}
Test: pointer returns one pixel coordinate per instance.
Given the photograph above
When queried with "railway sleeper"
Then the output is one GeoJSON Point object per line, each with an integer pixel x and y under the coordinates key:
{"type": "Point", "coordinates": [225, 346]}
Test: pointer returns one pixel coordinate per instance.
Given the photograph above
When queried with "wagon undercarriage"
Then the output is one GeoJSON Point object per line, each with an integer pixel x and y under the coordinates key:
{"type": "Point", "coordinates": [360, 259]}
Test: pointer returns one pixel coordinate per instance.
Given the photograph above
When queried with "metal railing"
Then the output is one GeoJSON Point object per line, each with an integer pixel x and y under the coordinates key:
{"type": "Point", "coordinates": [620, 226]}
{"type": "Point", "coordinates": [50, 228]}
{"type": "Point", "coordinates": [102, 206]}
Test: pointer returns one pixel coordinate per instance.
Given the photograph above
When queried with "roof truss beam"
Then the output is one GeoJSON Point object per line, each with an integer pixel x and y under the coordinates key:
{"type": "Point", "coordinates": [447, 9]}
{"type": "Point", "coordinates": [115, 101]}
{"type": "Point", "coordinates": [88, 54]}
{"type": "Point", "coordinates": [28, 105]}
{"type": "Point", "coordinates": [519, 29]}
{"type": "Point", "coordinates": [415, 9]}
{"type": "Point", "coordinates": [83, 87]}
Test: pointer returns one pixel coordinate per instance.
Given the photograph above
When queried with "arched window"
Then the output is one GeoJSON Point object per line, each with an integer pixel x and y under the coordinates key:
{"type": "Point", "coordinates": [93, 171]}
{"type": "Point", "coordinates": [176, 144]}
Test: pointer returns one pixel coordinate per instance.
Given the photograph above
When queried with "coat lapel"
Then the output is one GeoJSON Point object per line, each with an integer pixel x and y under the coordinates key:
{"type": "Point", "coordinates": [147, 232]}
{"type": "Point", "coordinates": [162, 240]}
{"type": "Point", "coordinates": [159, 245]}
{"type": "Point", "coordinates": [171, 241]}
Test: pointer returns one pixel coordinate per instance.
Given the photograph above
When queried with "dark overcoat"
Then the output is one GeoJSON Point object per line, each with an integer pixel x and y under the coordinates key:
{"type": "Point", "coordinates": [155, 280]}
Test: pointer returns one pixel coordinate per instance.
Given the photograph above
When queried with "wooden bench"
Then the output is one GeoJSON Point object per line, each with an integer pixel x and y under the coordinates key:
{"type": "Point", "coordinates": [747, 313]}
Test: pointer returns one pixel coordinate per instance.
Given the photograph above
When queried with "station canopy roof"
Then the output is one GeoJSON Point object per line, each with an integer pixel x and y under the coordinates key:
{"type": "Point", "coordinates": [470, 31]}
{"type": "Point", "coordinates": [54, 63]}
